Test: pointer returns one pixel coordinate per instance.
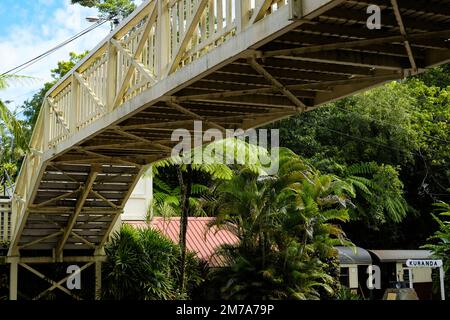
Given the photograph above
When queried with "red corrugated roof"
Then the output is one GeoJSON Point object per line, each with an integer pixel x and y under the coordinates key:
{"type": "Point", "coordinates": [199, 238]}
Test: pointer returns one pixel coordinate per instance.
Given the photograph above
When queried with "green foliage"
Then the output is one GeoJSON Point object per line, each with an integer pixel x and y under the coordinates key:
{"type": "Point", "coordinates": [439, 243]}
{"type": "Point", "coordinates": [287, 231]}
{"type": "Point", "coordinates": [346, 294]}
{"type": "Point", "coordinates": [143, 265]}
{"type": "Point", "coordinates": [13, 137]}
{"type": "Point", "coordinates": [379, 196]}
{"type": "Point", "coordinates": [436, 77]}
{"type": "Point", "coordinates": [166, 201]}
{"type": "Point", "coordinates": [401, 131]}
{"type": "Point", "coordinates": [109, 7]}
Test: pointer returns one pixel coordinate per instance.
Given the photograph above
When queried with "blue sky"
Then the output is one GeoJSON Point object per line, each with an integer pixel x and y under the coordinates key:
{"type": "Point", "coordinates": [31, 27]}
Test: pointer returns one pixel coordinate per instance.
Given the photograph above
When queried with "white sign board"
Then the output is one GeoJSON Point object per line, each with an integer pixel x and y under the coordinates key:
{"type": "Point", "coordinates": [423, 263]}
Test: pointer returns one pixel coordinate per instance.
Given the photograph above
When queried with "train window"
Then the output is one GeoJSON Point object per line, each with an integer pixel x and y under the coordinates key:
{"type": "Point", "coordinates": [344, 277]}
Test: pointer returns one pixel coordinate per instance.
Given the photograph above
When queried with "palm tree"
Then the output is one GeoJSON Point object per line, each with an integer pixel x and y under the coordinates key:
{"type": "Point", "coordinates": [187, 189]}
{"type": "Point", "coordinates": [285, 225]}
{"type": "Point", "coordinates": [13, 136]}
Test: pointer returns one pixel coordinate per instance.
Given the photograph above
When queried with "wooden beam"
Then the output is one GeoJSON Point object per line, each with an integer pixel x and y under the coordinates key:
{"type": "Point", "coordinates": [111, 159]}
{"type": "Point", "coordinates": [182, 109]}
{"type": "Point", "coordinates": [144, 38]}
{"type": "Point", "coordinates": [260, 10]}
{"type": "Point", "coordinates": [85, 85]}
{"type": "Point", "coordinates": [353, 44]}
{"type": "Point", "coordinates": [65, 195]}
{"type": "Point", "coordinates": [58, 115]}
{"type": "Point", "coordinates": [98, 195]}
{"type": "Point", "coordinates": [43, 277]}
{"type": "Point", "coordinates": [86, 242]}
{"type": "Point", "coordinates": [300, 106]}
{"type": "Point", "coordinates": [138, 65]}
{"type": "Point", "coordinates": [344, 90]}
{"type": "Point", "coordinates": [359, 59]}
{"type": "Point", "coordinates": [32, 243]}
{"type": "Point", "coordinates": [95, 170]}
{"type": "Point", "coordinates": [59, 283]}
{"type": "Point", "coordinates": [137, 138]}
{"type": "Point", "coordinates": [187, 36]}
{"type": "Point", "coordinates": [317, 86]}
{"type": "Point", "coordinates": [408, 48]}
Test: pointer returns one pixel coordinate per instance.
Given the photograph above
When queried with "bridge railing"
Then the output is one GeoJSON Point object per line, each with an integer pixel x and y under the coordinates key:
{"type": "Point", "coordinates": [158, 39]}
{"type": "Point", "coordinates": [5, 220]}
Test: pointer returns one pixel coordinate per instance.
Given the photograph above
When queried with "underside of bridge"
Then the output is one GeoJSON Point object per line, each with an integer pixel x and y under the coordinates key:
{"type": "Point", "coordinates": [281, 59]}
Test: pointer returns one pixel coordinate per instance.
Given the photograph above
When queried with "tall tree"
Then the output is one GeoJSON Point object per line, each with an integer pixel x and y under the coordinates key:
{"type": "Point", "coordinates": [403, 129]}
{"type": "Point", "coordinates": [210, 167]}
{"type": "Point", "coordinates": [109, 8]}
{"type": "Point", "coordinates": [13, 137]}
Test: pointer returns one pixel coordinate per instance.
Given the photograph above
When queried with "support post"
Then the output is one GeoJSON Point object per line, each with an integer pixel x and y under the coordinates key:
{"type": "Point", "coordinates": [73, 117]}
{"type": "Point", "coordinates": [242, 14]}
{"type": "Point", "coordinates": [98, 280]}
{"type": "Point", "coordinates": [411, 280]}
{"type": "Point", "coordinates": [442, 283]}
{"type": "Point", "coordinates": [111, 87]}
{"type": "Point", "coordinates": [163, 39]}
{"type": "Point", "coordinates": [13, 279]}
{"type": "Point", "coordinates": [295, 9]}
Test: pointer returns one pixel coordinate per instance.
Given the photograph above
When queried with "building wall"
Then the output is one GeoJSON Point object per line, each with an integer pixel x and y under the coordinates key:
{"type": "Point", "coordinates": [138, 205]}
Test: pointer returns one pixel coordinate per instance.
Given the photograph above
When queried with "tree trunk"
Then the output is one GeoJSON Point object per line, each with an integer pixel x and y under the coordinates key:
{"type": "Point", "coordinates": [185, 180]}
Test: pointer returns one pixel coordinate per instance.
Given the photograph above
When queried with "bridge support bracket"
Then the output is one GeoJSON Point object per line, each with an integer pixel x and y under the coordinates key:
{"type": "Point", "coordinates": [295, 9]}
{"type": "Point", "coordinates": [13, 277]}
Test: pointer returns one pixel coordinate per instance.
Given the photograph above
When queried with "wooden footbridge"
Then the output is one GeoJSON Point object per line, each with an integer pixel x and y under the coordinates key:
{"type": "Point", "coordinates": [229, 63]}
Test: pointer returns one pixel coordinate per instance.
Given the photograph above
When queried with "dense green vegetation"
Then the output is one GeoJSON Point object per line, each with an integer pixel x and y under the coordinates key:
{"type": "Point", "coordinates": [144, 265]}
{"type": "Point", "coordinates": [109, 8]}
{"type": "Point", "coordinates": [13, 138]}
{"type": "Point", "coordinates": [440, 241]}
{"type": "Point", "coordinates": [286, 229]}
{"type": "Point", "coordinates": [400, 133]}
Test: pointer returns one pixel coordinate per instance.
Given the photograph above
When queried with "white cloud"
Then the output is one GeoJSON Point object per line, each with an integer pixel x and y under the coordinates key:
{"type": "Point", "coordinates": [24, 42]}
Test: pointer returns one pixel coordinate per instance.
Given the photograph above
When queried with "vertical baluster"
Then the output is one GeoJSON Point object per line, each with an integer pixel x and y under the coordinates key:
{"type": "Point", "coordinates": [188, 10]}
{"type": "Point", "coordinates": [203, 33]}
{"type": "Point", "coordinates": [212, 17]}
{"type": "Point", "coordinates": [163, 40]}
{"type": "Point", "coordinates": [242, 8]}
{"type": "Point", "coordinates": [229, 13]}
{"type": "Point", "coordinates": [181, 17]}
{"type": "Point", "coordinates": [219, 16]}
{"type": "Point", "coordinates": [174, 34]}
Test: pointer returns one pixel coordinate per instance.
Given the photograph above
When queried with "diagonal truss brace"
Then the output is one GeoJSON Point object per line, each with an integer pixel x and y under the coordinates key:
{"type": "Point", "coordinates": [299, 105]}
{"type": "Point", "coordinates": [134, 64]}
{"type": "Point", "coordinates": [86, 86]}
{"type": "Point", "coordinates": [55, 285]}
{"type": "Point", "coordinates": [58, 114]}
{"type": "Point", "coordinates": [182, 109]}
{"type": "Point", "coordinates": [95, 169]}
{"type": "Point", "coordinates": [128, 135]}
{"type": "Point", "coordinates": [401, 25]}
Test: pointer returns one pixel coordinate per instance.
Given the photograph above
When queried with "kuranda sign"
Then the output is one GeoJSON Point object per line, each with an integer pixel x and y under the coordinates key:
{"type": "Point", "coordinates": [423, 263]}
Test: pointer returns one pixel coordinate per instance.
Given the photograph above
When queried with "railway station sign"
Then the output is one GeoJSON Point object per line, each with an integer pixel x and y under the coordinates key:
{"type": "Point", "coordinates": [412, 263]}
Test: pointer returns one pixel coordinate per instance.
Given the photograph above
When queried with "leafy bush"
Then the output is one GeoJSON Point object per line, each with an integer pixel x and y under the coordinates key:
{"type": "Point", "coordinates": [144, 265]}
{"type": "Point", "coordinates": [440, 241]}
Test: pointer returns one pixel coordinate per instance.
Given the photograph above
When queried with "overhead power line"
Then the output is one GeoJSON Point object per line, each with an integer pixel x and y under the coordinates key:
{"type": "Point", "coordinates": [27, 64]}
